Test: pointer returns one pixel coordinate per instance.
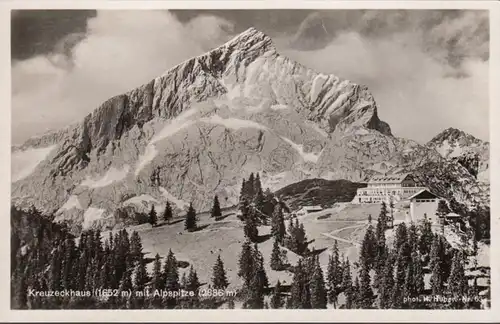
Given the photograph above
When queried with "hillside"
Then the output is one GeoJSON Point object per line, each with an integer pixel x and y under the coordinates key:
{"type": "Point", "coordinates": [318, 192]}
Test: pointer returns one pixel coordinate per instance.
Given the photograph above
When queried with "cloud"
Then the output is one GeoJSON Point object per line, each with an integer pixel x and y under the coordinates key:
{"type": "Point", "coordinates": [424, 79]}
{"type": "Point", "coordinates": [427, 69]}
{"type": "Point", "coordinates": [120, 51]}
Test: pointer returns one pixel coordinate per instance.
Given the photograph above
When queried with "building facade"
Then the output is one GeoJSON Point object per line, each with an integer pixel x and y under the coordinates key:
{"type": "Point", "coordinates": [384, 188]}
{"type": "Point", "coordinates": [424, 204]}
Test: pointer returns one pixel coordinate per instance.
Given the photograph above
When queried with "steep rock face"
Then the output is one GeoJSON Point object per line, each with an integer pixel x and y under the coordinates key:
{"type": "Point", "coordinates": [201, 127]}
{"type": "Point", "coordinates": [470, 152]}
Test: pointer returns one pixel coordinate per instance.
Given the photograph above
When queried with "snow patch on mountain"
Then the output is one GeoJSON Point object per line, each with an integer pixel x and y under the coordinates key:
{"type": "Point", "coordinates": [179, 203]}
{"type": "Point", "coordinates": [232, 123]}
{"type": "Point", "coordinates": [113, 175]}
{"type": "Point", "coordinates": [140, 200]}
{"type": "Point", "coordinates": [308, 157]}
{"type": "Point", "coordinates": [279, 107]}
{"type": "Point", "coordinates": [25, 162]}
{"type": "Point", "coordinates": [91, 215]}
{"type": "Point", "coordinates": [72, 202]}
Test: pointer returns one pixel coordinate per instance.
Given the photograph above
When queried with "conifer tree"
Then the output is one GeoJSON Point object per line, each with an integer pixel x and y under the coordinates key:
{"type": "Point", "coordinates": [246, 264]}
{"type": "Point", "coordinates": [184, 281]}
{"type": "Point", "coordinates": [167, 213]}
{"type": "Point", "coordinates": [278, 229]}
{"type": "Point", "coordinates": [386, 286]}
{"type": "Point", "coordinates": [243, 196]}
{"type": "Point", "coordinates": [334, 275]}
{"type": "Point", "coordinates": [401, 236]}
{"type": "Point", "coordinates": [418, 275]}
{"type": "Point", "coordinates": [317, 287]}
{"type": "Point", "coordinates": [426, 238]}
{"type": "Point", "coordinates": [259, 266]}
{"type": "Point", "coordinates": [413, 237]}
{"type": "Point", "coordinates": [436, 280]}
{"type": "Point", "coordinates": [157, 281]}
{"type": "Point", "coordinates": [257, 185]}
{"type": "Point", "coordinates": [219, 279]}
{"type": "Point", "coordinates": [366, 296]}
{"type": "Point", "coordinates": [442, 209]}
{"type": "Point", "coordinates": [250, 190]}
{"type": "Point", "coordinates": [300, 294]}
{"type": "Point", "coordinates": [276, 262]}
{"type": "Point", "coordinates": [125, 287]}
{"type": "Point", "coordinates": [255, 292]}
{"type": "Point", "coordinates": [193, 284]}
{"type": "Point", "coordinates": [368, 248]}
{"type": "Point", "coordinates": [216, 211]}
{"type": "Point", "coordinates": [250, 229]}
{"type": "Point", "coordinates": [190, 222]}
{"type": "Point", "coordinates": [260, 201]}
{"type": "Point", "coordinates": [354, 297]}
{"type": "Point", "coordinates": [135, 247]}
{"type": "Point", "coordinates": [276, 299]}
{"type": "Point", "coordinates": [140, 281]}
{"type": "Point", "coordinates": [152, 216]}
{"type": "Point", "coordinates": [171, 277]}
{"type": "Point", "coordinates": [457, 282]}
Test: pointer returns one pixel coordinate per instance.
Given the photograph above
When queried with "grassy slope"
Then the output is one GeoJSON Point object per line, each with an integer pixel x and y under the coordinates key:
{"type": "Point", "coordinates": [318, 192]}
{"type": "Point", "coordinates": [225, 237]}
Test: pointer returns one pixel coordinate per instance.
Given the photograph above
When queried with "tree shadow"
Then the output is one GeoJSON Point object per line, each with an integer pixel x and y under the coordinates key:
{"type": "Point", "coordinates": [148, 260]}
{"type": "Point", "coordinates": [263, 238]}
{"type": "Point", "coordinates": [199, 228]}
{"type": "Point", "coordinates": [315, 252]}
{"type": "Point", "coordinates": [219, 218]}
{"type": "Point", "coordinates": [175, 221]}
{"type": "Point", "coordinates": [182, 264]}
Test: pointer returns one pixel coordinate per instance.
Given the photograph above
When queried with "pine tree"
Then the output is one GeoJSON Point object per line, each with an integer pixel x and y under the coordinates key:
{"type": "Point", "coordinates": [256, 292]}
{"type": "Point", "coordinates": [216, 211]}
{"type": "Point", "coordinates": [385, 290]}
{"type": "Point", "coordinates": [257, 185]}
{"type": "Point", "coordinates": [140, 281]}
{"type": "Point", "coordinates": [391, 207]}
{"type": "Point", "coordinates": [413, 237]}
{"type": "Point", "coordinates": [250, 229]}
{"type": "Point", "coordinates": [457, 282]}
{"type": "Point", "coordinates": [353, 299]}
{"type": "Point", "coordinates": [368, 248]}
{"type": "Point", "coordinates": [334, 275]}
{"type": "Point", "coordinates": [426, 238]}
{"type": "Point", "coordinates": [193, 284]}
{"type": "Point", "coordinates": [167, 213]}
{"type": "Point", "coordinates": [300, 294]}
{"type": "Point", "coordinates": [246, 264]}
{"type": "Point", "coordinates": [436, 280]}
{"type": "Point", "coordinates": [276, 262]}
{"type": "Point", "coordinates": [278, 229]}
{"type": "Point", "coordinates": [219, 279]}
{"type": "Point", "coordinates": [276, 299]}
{"type": "Point", "coordinates": [418, 275]}
{"type": "Point", "coordinates": [260, 201]}
{"type": "Point", "coordinates": [366, 296]}
{"type": "Point", "coordinates": [135, 247]}
{"type": "Point", "coordinates": [317, 286]}
{"type": "Point", "coordinates": [125, 287]}
{"type": "Point", "coordinates": [259, 266]}
{"type": "Point", "coordinates": [152, 216]}
{"type": "Point", "coordinates": [382, 253]}
{"type": "Point", "coordinates": [190, 222]}
{"type": "Point", "coordinates": [171, 278]}
{"type": "Point", "coordinates": [250, 190]}
{"type": "Point", "coordinates": [243, 191]}
{"type": "Point", "coordinates": [401, 236]}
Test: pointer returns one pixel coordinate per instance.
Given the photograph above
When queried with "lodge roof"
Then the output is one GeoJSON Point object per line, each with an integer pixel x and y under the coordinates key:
{"type": "Point", "coordinates": [423, 194]}
{"type": "Point", "coordinates": [391, 178]}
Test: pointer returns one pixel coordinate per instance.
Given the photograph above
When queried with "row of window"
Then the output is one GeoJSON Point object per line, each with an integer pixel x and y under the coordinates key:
{"type": "Point", "coordinates": [425, 200]}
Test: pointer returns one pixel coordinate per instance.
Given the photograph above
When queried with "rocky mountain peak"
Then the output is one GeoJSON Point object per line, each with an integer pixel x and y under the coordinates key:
{"type": "Point", "coordinates": [454, 135]}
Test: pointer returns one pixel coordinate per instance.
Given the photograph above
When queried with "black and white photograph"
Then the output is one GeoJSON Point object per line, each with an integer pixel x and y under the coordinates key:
{"type": "Point", "coordinates": [263, 159]}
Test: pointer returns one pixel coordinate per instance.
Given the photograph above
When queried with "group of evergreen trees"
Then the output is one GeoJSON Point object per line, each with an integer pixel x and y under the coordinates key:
{"type": "Point", "coordinates": [167, 215]}
{"type": "Point", "coordinates": [46, 257]}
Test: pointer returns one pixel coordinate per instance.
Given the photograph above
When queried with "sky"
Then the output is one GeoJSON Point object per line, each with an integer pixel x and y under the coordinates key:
{"type": "Point", "coordinates": [427, 69]}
